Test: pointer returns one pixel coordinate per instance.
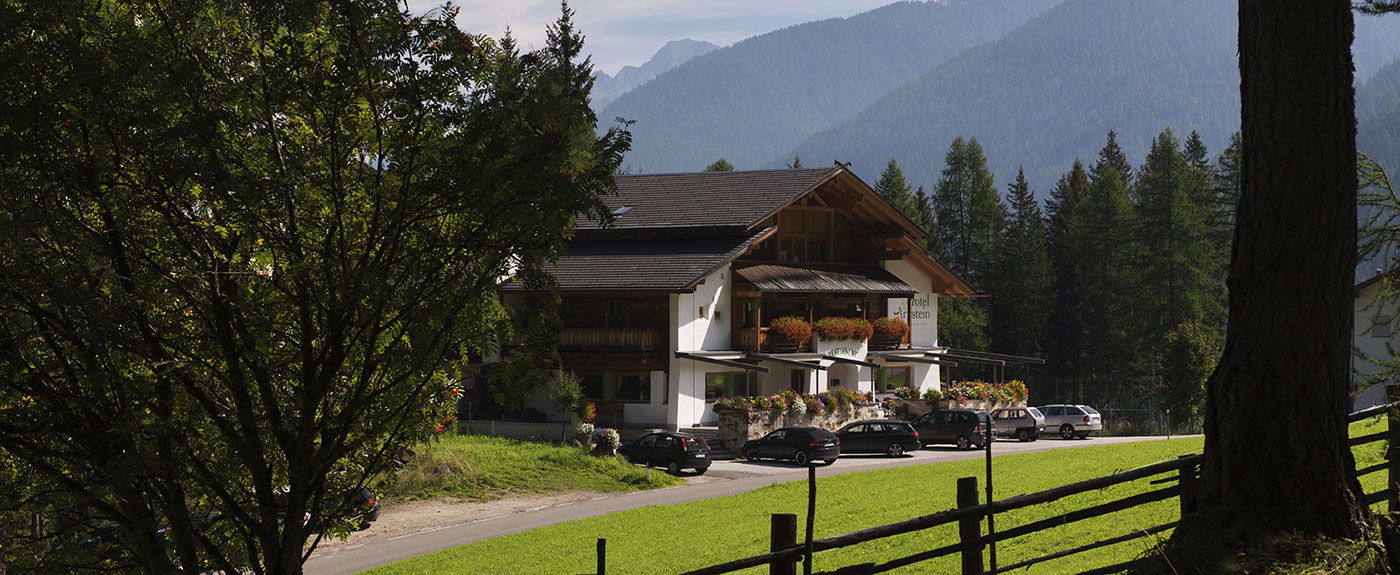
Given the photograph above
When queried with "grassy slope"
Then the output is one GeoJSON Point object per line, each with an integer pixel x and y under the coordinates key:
{"type": "Point", "coordinates": [674, 538]}
{"type": "Point", "coordinates": [481, 468]}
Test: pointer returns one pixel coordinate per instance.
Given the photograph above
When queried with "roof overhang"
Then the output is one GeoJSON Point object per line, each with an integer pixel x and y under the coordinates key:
{"type": "Point", "coordinates": [799, 278]}
{"type": "Point", "coordinates": [852, 361]}
{"type": "Point", "coordinates": [891, 357]}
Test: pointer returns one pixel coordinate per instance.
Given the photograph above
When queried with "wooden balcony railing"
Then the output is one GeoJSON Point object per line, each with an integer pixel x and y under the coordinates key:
{"type": "Point", "coordinates": [605, 339]}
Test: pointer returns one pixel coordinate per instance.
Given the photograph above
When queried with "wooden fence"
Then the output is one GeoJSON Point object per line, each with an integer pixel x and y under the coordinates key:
{"type": "Point", "coordinates": [1179, 480]}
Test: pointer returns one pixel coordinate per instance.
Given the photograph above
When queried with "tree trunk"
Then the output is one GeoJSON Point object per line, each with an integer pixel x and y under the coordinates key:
{"type": "Point", "coordinates": [1276, 453]}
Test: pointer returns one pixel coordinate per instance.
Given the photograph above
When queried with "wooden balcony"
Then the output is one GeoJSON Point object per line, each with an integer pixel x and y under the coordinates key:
{"type": "Point", "coordinates": [610, 340]}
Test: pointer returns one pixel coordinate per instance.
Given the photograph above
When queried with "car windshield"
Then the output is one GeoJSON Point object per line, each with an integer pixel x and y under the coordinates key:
{"type": "Point", "coordinates": [1035, 412]}
{"type": "Point", "coordinates": [1088, 409]}
{"type": "Point", "coordinates": [821, 434]}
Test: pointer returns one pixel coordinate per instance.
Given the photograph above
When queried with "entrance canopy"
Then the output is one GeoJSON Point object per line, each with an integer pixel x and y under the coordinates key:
{"type": "Point", "coordinates": [807, 278]}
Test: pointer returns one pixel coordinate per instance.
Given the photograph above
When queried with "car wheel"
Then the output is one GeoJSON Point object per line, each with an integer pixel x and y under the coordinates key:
{"type": "Point", "coordinates": [895, 449]}
{"type": "Point", "coordinates": [964, 442]}
{"type": "Point", "coordinates": [1066, 431]}
{"type": "Point", "coordinates": [673, 468]}
{"type": "Point", "coordinates": [1023, 435]}
{"type": "Point", "coordinates": [800, 457]}
{"type": "Point", "coordinates": [751, 454]}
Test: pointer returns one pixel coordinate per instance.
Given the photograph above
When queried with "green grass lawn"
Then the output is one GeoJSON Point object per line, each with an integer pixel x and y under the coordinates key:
{"type": "Point", "coordinates": [675, 538]}
{"type": "Point", "coordinates": [474, 467]}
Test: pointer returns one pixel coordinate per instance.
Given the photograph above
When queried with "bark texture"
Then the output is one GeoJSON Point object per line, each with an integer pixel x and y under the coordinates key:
{"type": "Point", "coordinates": [1276, 452]}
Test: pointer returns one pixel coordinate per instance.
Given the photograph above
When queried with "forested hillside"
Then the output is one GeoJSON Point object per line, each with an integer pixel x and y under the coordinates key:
{"type": "Point", "coordinates": [1378, 118]}
{"type": "Point", "coordinates": [676, 52]}
{"type": "Point", "coordinates": [1046, 92]}
{"type": "Point", "coordinates": [759, 98]}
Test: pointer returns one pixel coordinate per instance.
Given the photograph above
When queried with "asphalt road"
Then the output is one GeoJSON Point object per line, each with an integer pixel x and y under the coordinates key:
{"type": "Point", "coordinates": [724, 478]}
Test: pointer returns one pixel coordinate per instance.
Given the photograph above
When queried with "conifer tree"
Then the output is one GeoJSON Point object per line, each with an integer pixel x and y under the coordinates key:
{"type": "Point", "coordinates": [1068, 364]}
{"type": "Point", "coordinates": [1023, 281]}
{"type": "Point", "coordinates": [968, 210]}
{"type": "Point", "coordinates": [1111, 155]}
{"type": "Point", "coordinates": [895, 190]}
{"type": "Point", "coordinates": [1106, 254]}
{"type": "Point", "coordinates": [1176, 272]}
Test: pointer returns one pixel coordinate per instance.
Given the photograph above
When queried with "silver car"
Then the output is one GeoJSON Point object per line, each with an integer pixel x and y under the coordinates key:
{"type": "Point", "coordinates": [1023, 423]}
{"type": "Point", "coordinates": [1072, 421]}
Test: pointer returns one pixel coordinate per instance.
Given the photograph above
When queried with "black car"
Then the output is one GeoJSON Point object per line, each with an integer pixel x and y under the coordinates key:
{"type": "Point", "coordinates": [892, 438]}
{"type": "Point", "coordinates": [965, 428]}
{"type": "Point", "coordinates": [800, 444]}
{"type": "Point", "coordinates": [674, 451]}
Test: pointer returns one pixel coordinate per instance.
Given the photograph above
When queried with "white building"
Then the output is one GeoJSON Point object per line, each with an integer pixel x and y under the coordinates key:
{"type": "Point", "coordinates": [669, 308]}
{"type": "Point", "coordinates": [1372, 338]}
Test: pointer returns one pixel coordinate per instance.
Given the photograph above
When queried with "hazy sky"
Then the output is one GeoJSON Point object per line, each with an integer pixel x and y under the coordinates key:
{"type": "Point", "coordinates": [627, 32]}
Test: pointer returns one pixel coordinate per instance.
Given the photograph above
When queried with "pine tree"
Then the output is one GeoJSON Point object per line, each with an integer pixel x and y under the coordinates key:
{"type": "Point", "coordinates": [1068, 364]}
{"type": "Point", "coordinates": [895, 190]}
{"type": "Point", "coordinates": [927, 221]}
{"type": "Point", "coordinates": [1112, 156]}
{"type": "Point", "coordinates": [968, 210]}
{"type": "Point", "coordinates": [720, 165]}
{"type": "Point", "coordinates": [1105, 254]}
{"type": "Point", "coordinates": [796, 163]}
{"type": "Point", "coordinates": [1019, 309]}
{"type": "Point", "coordinates": [1176, 270]}
{"type": "Point", "coordinates": [1220, 221]}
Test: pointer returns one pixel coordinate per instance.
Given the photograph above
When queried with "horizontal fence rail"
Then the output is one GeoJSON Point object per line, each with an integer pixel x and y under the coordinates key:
{"type": "Point", "coordinates": [1183, 486]}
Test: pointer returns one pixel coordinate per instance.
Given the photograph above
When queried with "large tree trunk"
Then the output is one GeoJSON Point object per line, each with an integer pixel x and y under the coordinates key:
{"type": "Point", "coordinates": [1276, 453]}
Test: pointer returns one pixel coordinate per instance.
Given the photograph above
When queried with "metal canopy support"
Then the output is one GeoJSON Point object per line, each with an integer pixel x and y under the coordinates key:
{"type": "Point", "coordinates": [914, 359]}
{"type": "Point", "coordinates": [786, 361]}
{"type": "Point", "coordinates": [839, 359]}
{"type": "Point", "coordinates": [1008, 358]}
{"type": "Point", "coordinates": [724, 362]}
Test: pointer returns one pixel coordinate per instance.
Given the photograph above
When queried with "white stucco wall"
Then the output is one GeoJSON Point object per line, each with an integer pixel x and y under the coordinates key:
{"type": "Point", "coordinates": [653, 413]}
{"type": "Point", "coordinates": [693, 331]}
{"type": "Point", "coordinates": [923, 330]}
{"type": "Point", "coordinates": [1365, 311]}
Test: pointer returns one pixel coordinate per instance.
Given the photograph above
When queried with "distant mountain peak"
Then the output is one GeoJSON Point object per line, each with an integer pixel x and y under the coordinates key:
{"type": "Point", "coordinates": [676, 52]}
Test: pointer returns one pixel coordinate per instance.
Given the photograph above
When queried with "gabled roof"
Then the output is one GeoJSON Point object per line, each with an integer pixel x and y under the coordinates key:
{"type": "Point", "coordinates": [656, 265]}
{"type": "Point", "coordinates": [707, 199]}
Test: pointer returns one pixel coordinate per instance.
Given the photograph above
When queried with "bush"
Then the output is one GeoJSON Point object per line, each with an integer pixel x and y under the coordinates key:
{"type": "Point", "coordinates": [906, 392]}
{"type": "Point", "coordinates": [790, 328]}
{"type": "Point", "coordinates": [587, 411]}
{"type": "Point", "coordinates": [843, 328]}
{"type": "Point", "coordinates": [891, 328]}
{"type": "Point", "coordinates": [933, 395]}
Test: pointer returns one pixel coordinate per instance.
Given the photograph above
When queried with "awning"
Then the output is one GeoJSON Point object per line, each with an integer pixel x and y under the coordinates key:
{"type": "Point", "coordinates": [802, 360]}
{"type": "Point", "coordinates": [852, 360]}
{"type": "Point", "coordinates": [797, 278]}
{"type": "Point", "coordinates": [719, 359]}
{"type": "Point", "coordinates": [897, 358]}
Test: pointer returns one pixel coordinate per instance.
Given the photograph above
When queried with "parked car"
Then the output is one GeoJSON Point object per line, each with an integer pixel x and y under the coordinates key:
{"type": "Point", "coordinates": [800, 444]}
{"type": "Point", "coordinates": [965, 428]}
{"type": "Point", "coordinates": [1072, 421]}
{"type": "Point", "coordinates": [1023, 423]}
{"type": "Point", "coordinates": [889, 437]}
{"type": "Point", "coordinates": [674, 451]}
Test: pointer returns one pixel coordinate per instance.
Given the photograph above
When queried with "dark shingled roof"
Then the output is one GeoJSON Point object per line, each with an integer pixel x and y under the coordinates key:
{"type": "Point", "coordinates": [797, 278]}
{"type": "Point", "coordinates": [661, 265]}
{"type": "Point", "coordinates": [706, 199]}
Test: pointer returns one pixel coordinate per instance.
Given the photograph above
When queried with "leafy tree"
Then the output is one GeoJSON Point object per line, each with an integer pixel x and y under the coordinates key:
{"type": "Point", "coordinates": [962, 323]}
{"type": "Point", "coordinates": [1024, 285]}
{"type": "Point", "coordinates": [720, 165]}
{"type": "Point", "coordinates": [246, 246]}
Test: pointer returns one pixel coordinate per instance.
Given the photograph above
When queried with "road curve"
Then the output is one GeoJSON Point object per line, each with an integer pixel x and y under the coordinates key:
{"type": "Point", "coordinates": [724, 478]}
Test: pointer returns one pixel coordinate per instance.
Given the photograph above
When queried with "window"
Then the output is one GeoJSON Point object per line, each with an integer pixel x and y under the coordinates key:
{"type": "Point", "coordinates": [647, 441]}
{"type": "Point", "coordinates": [892, 377]}
{"type": "Point", "coordinates": [749, 310]}
{"type": "Point", "coordinates": [862, 428]}
{"type": "Point", "coordinates": [592, 386]}
{"type": "Point", "coordinates": [1381, 328]}
{"type": "Point", "coordinates": [633, 388]}
{"type": "Point", "coordinates": [614, 314]}
{"type": "Point", "coordinates": [730, 384]}
{"type": "Point", "coordinates": [779, 434]}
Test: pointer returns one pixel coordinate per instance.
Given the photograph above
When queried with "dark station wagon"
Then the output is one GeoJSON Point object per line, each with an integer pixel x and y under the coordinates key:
{"type": "Point", "coordinates": [800, 444]}
{"type": "Point", "coordinates": [892, 438]}
{"type": "Point", "coordinates": [674, 451]}
{"type": "Point", "coordinates": [965, 428]}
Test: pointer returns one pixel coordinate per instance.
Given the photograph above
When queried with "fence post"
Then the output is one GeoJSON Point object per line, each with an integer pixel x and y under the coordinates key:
{"type": "Point", "coordinates": [811, 515]}
{"type": "Point", "coordinates": [782, 533]}
{"type": "Point", "coordinates": [1392, 452]}
{"type": "Point", "coordinates": [602, 556]}
{"type": "Point", "coordinates": [969, 528]}
{"type": "Point", "coordinates": [1186, 483]}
